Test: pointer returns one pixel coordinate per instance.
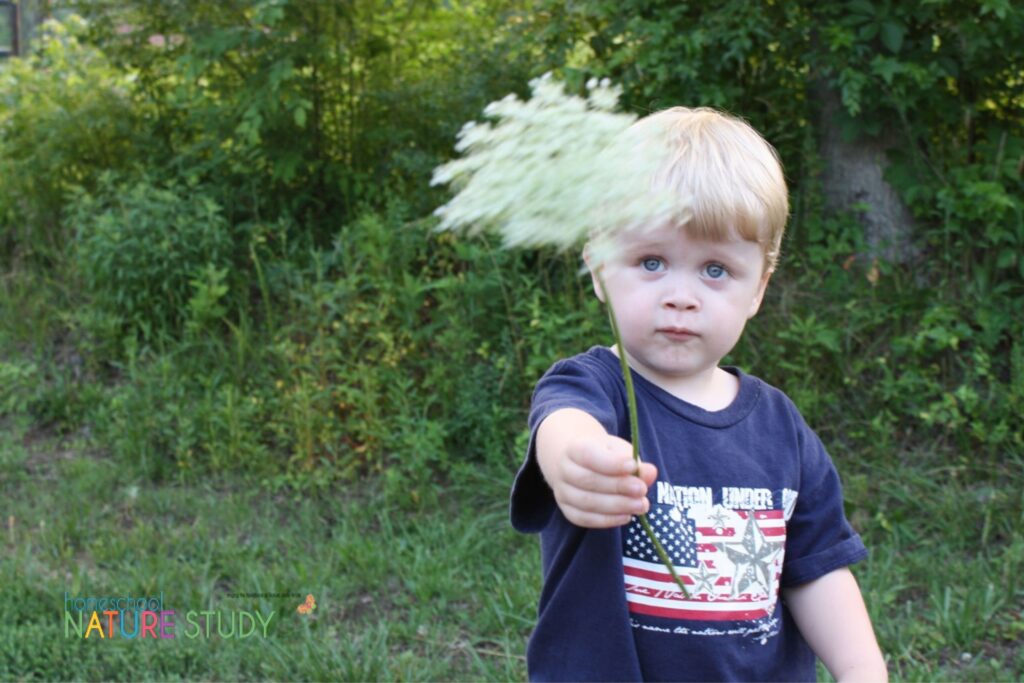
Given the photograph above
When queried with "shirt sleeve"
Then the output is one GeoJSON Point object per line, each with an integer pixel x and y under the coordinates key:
{"type": "Point", "coordinates": [581, 383]}
{"type": "Point", "coordinates": [819, 537]}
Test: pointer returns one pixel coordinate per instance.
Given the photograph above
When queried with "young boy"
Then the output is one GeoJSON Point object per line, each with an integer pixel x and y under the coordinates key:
{"type": "Point", "coordinates": [738, 489]}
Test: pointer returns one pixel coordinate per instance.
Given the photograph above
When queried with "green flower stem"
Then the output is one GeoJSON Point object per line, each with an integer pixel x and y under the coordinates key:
{"type": "Point", "coordinates": [634, 431]}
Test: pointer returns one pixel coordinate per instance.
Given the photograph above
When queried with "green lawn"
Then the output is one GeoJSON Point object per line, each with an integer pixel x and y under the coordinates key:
{"type": "Point", "coordinates": [402, 591]}
{"type": "Point", "coordinates": [943, 580]}
{"type": "Point", "coordinates": [436, 590]}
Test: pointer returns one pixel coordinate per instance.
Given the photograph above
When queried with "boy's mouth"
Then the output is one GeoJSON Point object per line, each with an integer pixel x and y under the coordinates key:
{"type": "Point", "coordinates": [677, 333]}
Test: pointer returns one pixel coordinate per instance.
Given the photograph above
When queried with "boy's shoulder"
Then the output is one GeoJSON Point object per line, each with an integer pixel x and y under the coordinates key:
{"type": "Point", "coordinates": [770, 401]}
{"type": "Point", "coordinates": [767, 390]}
{"type": "Point", "coordinates": [597, 364]}
{"type": "Point", "coordinates": [596, 358]}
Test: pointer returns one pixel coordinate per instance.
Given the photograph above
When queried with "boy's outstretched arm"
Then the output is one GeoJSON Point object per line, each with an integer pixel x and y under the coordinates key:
{"type": "Point", "coordinates": [590, 471]}
{"type": "Point", "coordinates": [831, 615]}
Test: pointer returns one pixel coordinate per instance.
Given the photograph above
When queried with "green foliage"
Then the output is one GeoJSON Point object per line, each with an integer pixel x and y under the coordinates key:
{"type": "Point", "coordinates": [66, 116]}
{"type": "Point", "coordinates": [376, 325]}
{"type": "Point", "coordinates": [934, 78]}
{"type": "Point", "coordinates": [355, 374]}
{"type": "Point", "coordinates": [152, 256]}
{"type": "Point", "coordinates": [147, 422]}
{"type": "Point", "coordinates": [206, 306]}
{"type": "Point", "coordinates": [738, 56]}
{"type": "Point", "coordinates": [903, 60]}
{"type": "Point", "coordinates": [308, 111]}
{"type": "Point", "coordinates": [874, 358]}
{"type": "Point", "coordinates": [16, 381]}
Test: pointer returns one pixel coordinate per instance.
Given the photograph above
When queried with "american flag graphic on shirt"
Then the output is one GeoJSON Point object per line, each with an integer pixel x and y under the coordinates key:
{"type": "Point", "coordinates": [729, 560]}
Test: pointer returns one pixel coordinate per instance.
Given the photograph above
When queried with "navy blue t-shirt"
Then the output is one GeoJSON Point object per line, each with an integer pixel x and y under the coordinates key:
{"type": "Point", "coordinates": [746, 501]}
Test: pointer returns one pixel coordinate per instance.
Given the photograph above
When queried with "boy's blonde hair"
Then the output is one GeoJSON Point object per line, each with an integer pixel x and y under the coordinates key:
{"type": "Point", "coordinates": [731, 175]}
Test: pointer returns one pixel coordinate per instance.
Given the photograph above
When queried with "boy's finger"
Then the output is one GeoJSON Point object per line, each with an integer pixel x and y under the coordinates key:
{"type": "Point", "coordinates": [648, 473]}
{"type": "Point", "coordinates": [590, 520]}
{"type": "Point", "coordinates": [612, 457]}
{"type": "Point", "coordinates": [602, 484]}
{"type": "Point", "coordinates": [623, 450]}
{"type": "Point", "coordinates": [602, 504]}
{"type": "Point", "coordinates": [584, 479]}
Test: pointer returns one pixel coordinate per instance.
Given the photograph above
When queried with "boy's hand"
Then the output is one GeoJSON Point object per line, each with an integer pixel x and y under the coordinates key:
{"type": "Point", "coordinates": [591, 472]}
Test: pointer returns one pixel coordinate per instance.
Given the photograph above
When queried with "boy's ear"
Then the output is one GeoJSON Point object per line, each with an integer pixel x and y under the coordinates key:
{"type": "Point", "coordinates": [755, 304]}
{"type": "Point", "coordinates": [589, 260]}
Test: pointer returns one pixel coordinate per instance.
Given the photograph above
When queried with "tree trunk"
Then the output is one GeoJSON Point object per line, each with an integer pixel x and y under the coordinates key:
{"type": "Point", "coordinates": [853, 181]}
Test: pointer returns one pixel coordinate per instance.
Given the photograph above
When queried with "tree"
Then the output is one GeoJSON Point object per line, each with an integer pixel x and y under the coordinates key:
{"type": "Point", "coordinates": [883, 97]}
{"type": "Point", "coordinates": [313, 110]}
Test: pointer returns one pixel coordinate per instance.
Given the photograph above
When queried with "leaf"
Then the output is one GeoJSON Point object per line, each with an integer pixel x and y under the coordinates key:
{"type": "Point", "coordinates": [998, 7]}
{"type": "Point", "coordinates": [868, 31]}
{"type": "Point", "coordinates": [892, 35]}
{"type": "Point", "coordinates": [886, 67]}
{"type": "Point", "coordinates": [1007, 258]}
{"type": "Point", "coordinates": [861, 7]}
{"type": "Point", "coordinates": [300, 117]}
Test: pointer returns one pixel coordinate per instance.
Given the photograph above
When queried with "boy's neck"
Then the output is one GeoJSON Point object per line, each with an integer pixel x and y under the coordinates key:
{"type": "Point", "coordinates": [713, 390]}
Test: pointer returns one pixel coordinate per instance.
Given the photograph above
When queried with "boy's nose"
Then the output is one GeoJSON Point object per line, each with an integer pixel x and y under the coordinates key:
{"type": "Point", "coordinates": [680, 295]}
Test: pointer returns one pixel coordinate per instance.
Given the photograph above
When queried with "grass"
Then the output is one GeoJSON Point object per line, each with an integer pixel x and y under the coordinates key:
{"type": "Point", "coordinates": [445, 590]}
{"type": "Point", "coordinates": [401, 593]}
{"type": "Point", "coordinates": [943, 583]}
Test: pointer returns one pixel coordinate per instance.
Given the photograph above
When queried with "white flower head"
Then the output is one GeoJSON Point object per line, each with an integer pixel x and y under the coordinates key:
{"type": "Point", "coordinates": [557, 170]}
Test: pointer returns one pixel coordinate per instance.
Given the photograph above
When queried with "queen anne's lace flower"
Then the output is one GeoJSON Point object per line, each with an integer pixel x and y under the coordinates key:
{"type": "Point", "coordinates": [555, 170]}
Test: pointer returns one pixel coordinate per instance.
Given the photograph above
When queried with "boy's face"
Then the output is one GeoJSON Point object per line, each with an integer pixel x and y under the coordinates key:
{"type": "Point", "coordinates": [681, 302]}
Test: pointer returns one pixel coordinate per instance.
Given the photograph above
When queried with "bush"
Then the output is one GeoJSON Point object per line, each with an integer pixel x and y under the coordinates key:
{"type": "Point", "coordinates": [397, 351]}
{"type": "Point", "coordinates": [66, 115]}
{"type": "Point", "coordinates": [365, 360]}
{"type": "Point", "coordinates": [879, 357]}
{"type": "Point", "coordinates": [17, 379]}
{"type": "Point", "coordinates": [151, 256]}
{"type": "Point", "coordinates": [176, 415]}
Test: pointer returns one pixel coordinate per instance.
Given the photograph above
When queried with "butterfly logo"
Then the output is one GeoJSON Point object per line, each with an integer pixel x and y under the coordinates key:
{"type": "Point", "coordinates": [308, 606]}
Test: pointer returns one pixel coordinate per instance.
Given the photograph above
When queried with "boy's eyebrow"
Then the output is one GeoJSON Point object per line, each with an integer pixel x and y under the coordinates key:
{"type": "Point", "coordinates": [642, 244]}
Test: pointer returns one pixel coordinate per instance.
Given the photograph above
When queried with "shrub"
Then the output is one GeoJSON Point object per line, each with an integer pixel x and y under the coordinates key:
{"type": "Point", "coordinates": [880, 357]}
{"type": "Point", "coordinates": [17, 379]}
{"type": "Point", "coordinates": [143, 250]}
{"type": "Point", "coordinates": [396, 351]}
{"type": "Point", "coordinates": [66, 115]}
{"type": "Point", "coordinates": [177, 415]}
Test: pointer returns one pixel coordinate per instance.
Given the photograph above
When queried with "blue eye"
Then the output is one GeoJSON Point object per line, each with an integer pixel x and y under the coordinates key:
{"type": "Point", "coordinates": [715, 271]}
{"type": "Point", "coordinates": [651, 264]}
